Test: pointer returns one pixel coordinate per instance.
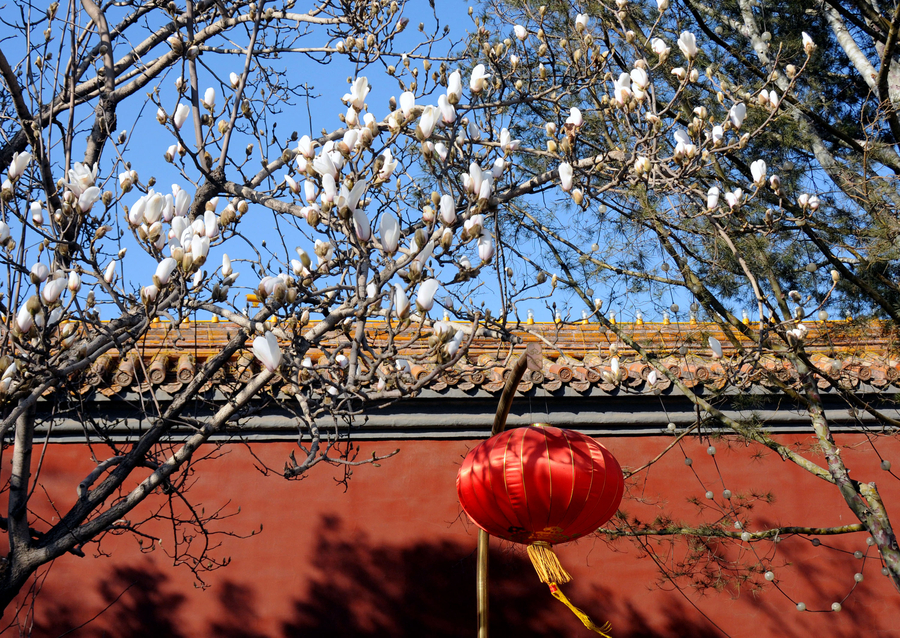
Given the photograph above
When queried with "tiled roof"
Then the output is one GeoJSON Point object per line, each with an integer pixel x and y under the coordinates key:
{"type": "Point", "coordinates": [577, 357]}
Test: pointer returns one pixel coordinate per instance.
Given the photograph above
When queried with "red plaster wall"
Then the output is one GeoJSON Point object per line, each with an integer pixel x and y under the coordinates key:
{"type": "Point", "coordinates": [392, 556]}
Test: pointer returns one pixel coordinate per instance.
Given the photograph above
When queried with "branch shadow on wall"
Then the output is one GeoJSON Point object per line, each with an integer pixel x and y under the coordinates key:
{"type": "Point", "coordinates": [358, 587]}
{"type": "Point", "coordinates": [428, 589]}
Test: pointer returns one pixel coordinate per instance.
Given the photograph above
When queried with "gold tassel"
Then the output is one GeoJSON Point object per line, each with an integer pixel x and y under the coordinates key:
{"type": "Point", "coordinates": [546, 564]}
{"type": "Point", "coordinates": [551, 572]}
{"type": "Point", "coordinates": [583, 617]}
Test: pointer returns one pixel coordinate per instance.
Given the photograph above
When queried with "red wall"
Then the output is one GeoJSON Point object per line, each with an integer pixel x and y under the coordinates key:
{"type": "Point", "coordinates": [393, 556]}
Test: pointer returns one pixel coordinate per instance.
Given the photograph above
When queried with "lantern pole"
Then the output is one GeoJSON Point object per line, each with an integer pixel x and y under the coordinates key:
{"type": "Point", "coordinates": [532, 361]}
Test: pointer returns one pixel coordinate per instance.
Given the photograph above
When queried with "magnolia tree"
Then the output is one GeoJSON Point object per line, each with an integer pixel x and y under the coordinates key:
{"type": "Point", "coordinates": [705, 156]}
{"type": "Point", "coordinates": [621, 114]}
{"type": "Point", "coordinates": [96, 249]}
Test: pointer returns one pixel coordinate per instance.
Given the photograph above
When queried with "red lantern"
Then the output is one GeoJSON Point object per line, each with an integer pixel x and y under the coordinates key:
{"type": "Point", "coordinates": [540, 485]}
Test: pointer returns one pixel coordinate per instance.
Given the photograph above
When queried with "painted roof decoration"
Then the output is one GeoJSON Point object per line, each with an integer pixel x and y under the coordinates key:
{"type": "Point", "coordinates": [584, 357]}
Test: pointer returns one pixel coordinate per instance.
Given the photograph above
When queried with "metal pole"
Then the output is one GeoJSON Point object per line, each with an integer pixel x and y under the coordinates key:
{"type": "Point", "coordinates": [531, 360]}
{"type": "Point", "coordinates": [481, 586]}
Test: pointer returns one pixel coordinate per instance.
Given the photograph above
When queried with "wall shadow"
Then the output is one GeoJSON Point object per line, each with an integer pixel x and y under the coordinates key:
{"type": "Point", "coordinates": [141, 603]}
{"type": "Point", "coordinates": [357, 587]}
{"type": "Point", "coordinates": [428, 589]}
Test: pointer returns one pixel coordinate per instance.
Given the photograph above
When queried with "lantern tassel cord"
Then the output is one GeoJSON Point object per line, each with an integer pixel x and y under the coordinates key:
{"type": "Point", "coordinates": [546, 564]}
{"type": "Point", "coordinates": [551, 571]}
{"type": "Point", "coordinates": [583, 617]}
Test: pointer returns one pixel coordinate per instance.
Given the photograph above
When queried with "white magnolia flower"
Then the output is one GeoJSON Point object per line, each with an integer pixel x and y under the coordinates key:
{"type": "Point", "coordinates": [452, 346]}
{"type": "Point", "coordinates": [235, 79]}
{"type": "Point", "coordinates": [127, 180]}
{"type": "Point", "coordinates": [267, 350]}
{"type": "Point", "coordinates": [507, 144]}
{"type": "Point", "coordinates": [448, 209]}
{"type": "Point", "coordinates": [351, 138]}
{"type": "Point", "coordinates": [712, 198]}
{"type": "Point", "coordinates": [164, 271]}
{"type": "Point", "coordinates": [226, 266]}
{"type": "Point", "coordinates": [521, 32]}
{"type": "Point", "coordinates": [110, 275]}
{"type": "Point", "coordinates": [153, 207]}
{"type": "Point", "coordinates": [74, 282]}
{"type": "Point", "coordinates": [454, 87]}
{"type": "Point", "coordinates": [52, 290]}
{"type": "Point", "coordinates": [718, 133]}
{"type": "Point", "coordinates": [358, 92]}
{"type": "Point", "coordinates": [407, 102]}
{"type": "Point", "coordinates": [18, 165]}
{"type": "Point", "coordinates": [498, 167]}
{"type": "Point", "coordinates": [688, 44]}
{"type": "Point", "coordinates": [390, 164]}
{"type": "Point", "coordinates": [425, 298]}
{"type": "Point", "coordinates": [441, 149]}
{"type": "Point", "coordinates": [361, 225]}
{"type": "Point", "coordinates": [679, 73]}
{"type": "Point", "coordinates": [182, 203]}
{"type": "Point", "coordinates": [485, 249]}
{"type": "Point", "coordinates": [758, 172]}
{"type": "Point", "coordinates": [575, 118]}
{"type": "Point", "coordinates": [716, 347]}
{"type": "Point", "coordinates": [808, 45]}
{"type": "Point", "coordinates": [736, 114]}
{"type": "Point", "coordinates": [581, 22]}
{"type": "Point", "coordinates": [24, 320]}
{"type": "Point", "coordinates": [474, 225]}
{"type": "Point", "coordinates": [199, 248]}
{"type": "Point", "coordinates": [80, 178]}
{"type": "Point", "coordinates": [390, 233]}
{"type": "Point", "coordinates": [659, 47]}
{"type": "Point", "coordinates": [427, 122]}
{"type": "Point", "coordinates": [210, 225]}
{"type": "Point", "coordinates": [662, 5]}
{"type": "Point", "coordinates": [566, 176]}
{"type": "Point", "coordinates": [181, 115]}
{"type": "Point", "coordinates": [733, 198]}
{"type": "Point", "coordinates": [622, 89]}
{"type": "Point", "coordinates": [88, 198]}
{"type": "Point", "coordinates": [324, 165]}
{"type": "Point", "coordinates": [448, 111]}
{"type": "Point", "coordinates": [640, 79]}
{"type": "Point", "coordinates": [39, 273]}
{"type": "Point", "coordinates": [4, 232]}
{"type": "Point", "coordinates": [37, 213]}
{"type": "Point", "coordinates": [642, 165]}
{"type": "Point", "coordinates": [423, 255]}
{"type": "Point", "coordinates": [149, 294]}
{"type": "Point", "coordinates": [305, 147]}
{"type": "Point", "coordinates": [209, 98]}
{"type": "Point", "coordinates": [487, 187]}
{"type": "Point", "coordinates": [479, 78]}
{"type": "Point", "coordinates": [401, 302]}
